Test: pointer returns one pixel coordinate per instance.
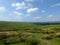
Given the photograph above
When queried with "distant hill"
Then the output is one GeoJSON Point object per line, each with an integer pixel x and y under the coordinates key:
{"type": "Point", "coordinates": [46, 23]}
{"type": "Point", "coordinates": [27, 26]}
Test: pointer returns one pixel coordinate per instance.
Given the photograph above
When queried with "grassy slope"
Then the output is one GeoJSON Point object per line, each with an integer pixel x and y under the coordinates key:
{"type": "Point", "coordinates": [25, 26]}
{"type": "Point", "coordinates": [16, 25]}
{"type": "Point", "coordinates": [55, 41]}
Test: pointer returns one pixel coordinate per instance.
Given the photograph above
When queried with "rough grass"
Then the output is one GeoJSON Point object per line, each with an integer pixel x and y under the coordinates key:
{"type": "Point", "coordinates": [20, 36]}
{"type": "Point", "coordinates": [25, 26]}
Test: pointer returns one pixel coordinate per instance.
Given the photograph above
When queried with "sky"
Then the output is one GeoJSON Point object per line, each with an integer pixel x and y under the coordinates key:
{"type": "Point", "coordinates": [30, 10]}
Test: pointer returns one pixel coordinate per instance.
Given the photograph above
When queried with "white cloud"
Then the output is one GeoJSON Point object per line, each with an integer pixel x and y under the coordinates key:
{"type": "Point", "coordinates": [49, 16]}
{"type": "Point", "coordinates": [13, 4]}
{"type": "Point", "coordinates": [36, 18]}
{"type": "Point", "coordinates": [52, 18]}
{"type": "Point", "coordinates": [17, 13]}
{"type": "Point", "coordinates": [31, 10]}
{"type": "Point", "coordinates": [20, 5]}
{"type": "Point", "coordinates": [17, 16]}
{"type": "Point", "coordinates": [2, 9]}
{"type": "Point", "coordinates": [43, 11]}
{"type": "Point", "coordinates": [55, 5]}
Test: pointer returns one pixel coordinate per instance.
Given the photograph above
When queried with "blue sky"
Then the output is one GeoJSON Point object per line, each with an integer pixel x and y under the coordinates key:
{"type": "Point", "coordinates": [30, 10]}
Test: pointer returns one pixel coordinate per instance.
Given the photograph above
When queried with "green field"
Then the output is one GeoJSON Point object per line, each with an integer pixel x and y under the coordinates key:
{"type": "Point", "coordinates": [22, 33]}
{"type": "Point", "coordinates": [26, 26]}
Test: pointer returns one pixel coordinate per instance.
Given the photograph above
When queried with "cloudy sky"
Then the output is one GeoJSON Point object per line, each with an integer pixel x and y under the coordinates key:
{"type": "Point", "coordinates": [30, 10]}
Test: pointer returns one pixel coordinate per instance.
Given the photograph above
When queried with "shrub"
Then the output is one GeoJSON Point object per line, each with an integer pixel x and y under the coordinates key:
{"type": "Point", "coordinates": [57, 35]}
{"type": "Point", "coordinates": [13, 40]}
{"type": "Point", "coordinates": [22, 39]}
{"type": "Point", "coordinates": [32, 41]}
{"type": "Point", "coordinates": [48, 37]}
{"type": "Point", "coordinates": [3, 36]}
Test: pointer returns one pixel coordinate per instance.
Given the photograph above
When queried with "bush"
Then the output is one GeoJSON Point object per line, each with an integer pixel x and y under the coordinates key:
{"type": "Point", "coordinates": [48, 37]}
{"type": "Point", "coordinates": [3, 36]}
{"type": "Point", "coordinates": [22, 39]}
{"type": "Point", "coordinates": [13, 40]}
{"type": "Point", "coordinates": [32, 41]}
{"type": "Point", "coordinates": [57, 35]}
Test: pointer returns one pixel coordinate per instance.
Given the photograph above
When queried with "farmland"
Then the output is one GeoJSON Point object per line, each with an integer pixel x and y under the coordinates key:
{"type": "Point", "coordinates": [22, 33]}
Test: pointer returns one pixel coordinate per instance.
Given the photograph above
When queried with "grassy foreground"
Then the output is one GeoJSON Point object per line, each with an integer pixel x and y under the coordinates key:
{"type": "Point", "coordinates": [16, 33]}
